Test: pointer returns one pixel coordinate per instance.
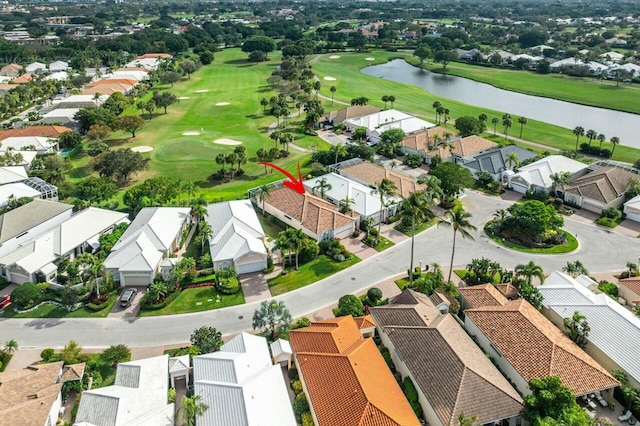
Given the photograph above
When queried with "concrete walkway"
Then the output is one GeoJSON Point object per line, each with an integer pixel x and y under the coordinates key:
{"type": "Point", "coordinates": [255, 287]}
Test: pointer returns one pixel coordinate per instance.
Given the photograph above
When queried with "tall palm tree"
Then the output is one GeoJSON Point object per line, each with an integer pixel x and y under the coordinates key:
{"type": "Point", "coordinates": [523, 122]}
{"type": "Point", "coordinates": [591, 134]}
{"type": "Point", "coordinates": [614, 141]}
{"type": "Point", "coordinates": [264, 192]}
{"type": "Point", "coordinates": [601, 138]}
{"type": "Point", "coordinates": [575, 268]}
{"type": "Point", "coordinates": [512, 160]}
{"type": "Point", "coordinates": [500, 215]}
{"type": "Point", "coordinates": [295, 238]}
{"type": "Point", "coordinates": [221, 159]}
{"type": "Point", "coordinates": [11, 346]}
{"type": "Point", "coordinates": [275, 136]}
{"type": "Point", "coordinates": [529, 271]}
{"type": "Point", "coordinates": [495, 121]}
{"type": "Point", "coordinates": [333, 90]}
{"type": "Point", "coordinates": [578, 131]}
{"type": "Point", "coordinates": [205, 231]}
{"type": "Point", "coordinates": [385, 99]}
{"type": "Point", "coordinates": [192, 407]}
{"type": "Point", "coordinates": [559, 178]}
{"type": "Point", "coordinates": [199, 211]}
{"type": "Point", "coordinates": [190, 188]}
{"type": "Point", "coordinates": [345, 204]}
{"type": "Point", "coordinates": [282, 245]}
{"type": "Point", "coordinates": [437, 105]}
{"type": "Point", "coordinates": [458, 220]}
{"type": "Point", "coordinates": [338, 150]}
{"type": "Point", "coordinates": [483, 117]}
{"type": "Point", "coordinates": [385, 189]}
{"type": "Point", "coordinates": [322, 185]}
{"type": "Point", "coordinates": [507, 122]}
{"type": "Point", "coordinates": [392, 99]}
{"type": "Point", "coordinates": [417, 209]}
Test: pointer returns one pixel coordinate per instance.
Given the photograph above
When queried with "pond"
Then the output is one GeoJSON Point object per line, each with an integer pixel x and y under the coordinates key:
{"type": "Point", "coordinates": [564, 114]}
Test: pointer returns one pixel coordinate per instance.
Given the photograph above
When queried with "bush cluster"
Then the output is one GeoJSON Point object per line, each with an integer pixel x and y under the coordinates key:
{"type": "Point", "coordinates": [412, 395]}
{"type": "Point", "coordinates": [227, 281]}
{"type": "Point", "coordinates": [334, 250]}
{"type": "Point", "coordinates": [594, 150]}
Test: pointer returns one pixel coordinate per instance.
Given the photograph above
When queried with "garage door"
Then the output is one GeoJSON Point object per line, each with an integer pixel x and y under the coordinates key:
{"type": "Point", "coordinates": [519, 188]}
{"type": "Point", "coordinates": [245, 268]}
{"type": "Point", "coordinates": [135, 280]}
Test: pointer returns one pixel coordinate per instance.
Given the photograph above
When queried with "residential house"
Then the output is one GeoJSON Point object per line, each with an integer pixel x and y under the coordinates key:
{"type": "Point", "coordinates": [495, 161]}
{"type": "Point", "coordinates": [132, 74]}
{"type": "Point", "coordinates": [423, 141]}
{"type": "Point", "coordinates": [237, 239]}
{"type": "Point", "coordinates": [469, 55]}
{"type": "Point", "coordinates": [349, 112]}
{"type": "Point", "coordinates": [17, 190]}
{"type": "Point", "coordinates": [137, 398]}
{"type": "Point", "coordinates": [525, 345]}
{"type": "Point", "coordinates": [366, 325]}
{"type": "Point", "coordinates": [58, 76]}
{"type": "Point", "coordinates": [629, 290]}
{"type": "Point", "coordinates": [58, 66]}
{"type": "Point", "coordinates": [123, 81]}
{"type": "Point", "coordinates": [11, 174]}
{"type": "Point", "coordinates": [612, 56]}
{"type": "Point", "coordinates": [317, 218]}
{"type": "Point", "coordinates": [80, 101]}
{"type": "Point", "coordinates": [633, 69]}
{"type": "Point", "coordinates": [451, 374]}
{"type": "Point", "coordinates": [51, 132]}
{"type": "Point", "coordinates": [570, 63]}
{"type": "Point", "coordinates": [614, 338]}
{"type": "Point", "coordinates": [479, 296]}
{"type": "Point", "coordinates": [372, 174]}
{"type": "Point", "coordinates": [381, 121]}
{"type": "Point", "coordinates": [155, 233]}
{"type": "Point", "coordinates": [41, 145]}
{"type": "Point", "coordinates": [537, 176]}
{"type": "Point", "coordinates": [74, 236]}
{"type": "Point", "coordinates": [60, 117]}
{"type": "Point", "coordinates": [24, 78]}
{"type": "Point", "coordinates": [241, 386]}
{"type": "Point", "coordinates": [179, 369]}
{"type": "Point", "coordinates": [36, 68]}
{"type": "Point", "coordinates": [33, 396]}
{"type": "Point", "coordinates": [460, 150]}
{"type": "Point", "coordinates": [11, 70]}
{"type": "Point", "coordinates": [632, 209]}
{"type": "Point", "coordinates": [363, 201]}
{"type": "Point", "coordinates": [602, 188]}
{"type": "Point", "coordinates": [345, 378]}
{"type": "Point", "coordinates": [281, 352]}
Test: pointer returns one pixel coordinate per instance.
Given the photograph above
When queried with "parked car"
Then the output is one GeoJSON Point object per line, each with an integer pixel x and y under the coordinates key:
{"type": "Point", "coordinates": [127, 297]}
{"type": "Point", "coordinates": [5, 300]}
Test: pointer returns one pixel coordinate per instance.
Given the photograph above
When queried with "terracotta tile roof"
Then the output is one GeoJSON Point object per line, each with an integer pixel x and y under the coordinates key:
{"type": "Point", "coordinates": [365, 322]}
{"type": "Point", "coordinates": [632, 284]}
{"type": "Point", "coordinates": [536, 348]}
{"type": "Point", "coordinates": [154, 55]}
{"type": "Point", "coordinates": [106, 89]}
{"type": "Point", "coordinates": [72, 372]}
{"type": "Point", "coordinates": [454, 375]}
{"type": "Point", "coordinates": [11, 68]}
{"type": "Point", "coordinates": [508, 290]}
{"type": "Point", "coordinates": [27, 396]}
{"type": "Point", "coordinates": [124, 81]}
{"type": "Point", "coordinates": [350, 387]}
{"type": "Point", "coordinates": [316, 214]}
{"type": "Point", "coordinates": [372, 174]}
{"type": "Point", "coordinates": [45, 131]}
{"type": "Point", "coordinates": [24, 78]}
{"type": "Point", "coordinates": [478, 296]}
{"type": "Point", "coordinates": [421, 140]}
{"type": "Point", "coordinates": [604, 184]}
{"type": "Point", "coordinates": [351, 112]}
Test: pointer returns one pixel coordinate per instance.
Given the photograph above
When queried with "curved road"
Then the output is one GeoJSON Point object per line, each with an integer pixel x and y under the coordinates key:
{"type": "Point", "coordinates": [600, 250]}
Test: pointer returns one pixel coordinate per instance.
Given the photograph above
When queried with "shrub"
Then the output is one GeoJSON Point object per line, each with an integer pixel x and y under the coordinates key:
{"type": "Point", "coordinates": [307, 419]}
{"type": "Point", "coordinates": [339, 257]}
{"type": "Point", "coordinates": [356, 233]}
{"type": "Point", "coordinates": [26, 296]}
{"type": "Point", "coordinates": [98, 307]}
{"type": "Point", "coordinates": [229, 285]}
{"type": "Point", "coordinates": [412, 395]}
{"type": "Point", "coordinates": [350, 305]}
{"type": "Point", "coordinates": [296, 385]}
{"type": "Point", "coordinates": [609, 289]}
{"type": "Point", "coordinates": [612, 213]}
{"type": "Point", "coordinates": [374, 295]}
{"type": "Point", "coordinates": [386, 355]}
{"type": "Point", "coordinates": [308, 251]}
{"type": "Point", "coordinates": [300, 405]}
{"type": "Point", "coordinates": [46, 354]}
{"type": "Point", "coordinates": [293, 372]}
{"type": "Point", "coordinates": [301, 323]}
{"type": "Point", "coordinates": [412, 160]}
{"type": "Point", "coordinates": [147, 305]}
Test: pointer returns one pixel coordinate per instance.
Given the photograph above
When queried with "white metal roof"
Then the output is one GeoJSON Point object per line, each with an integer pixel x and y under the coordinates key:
{"type": "Point", "coordinates": [614, 330]}
{"type": "Point", "coordinates": [280, 347]}
{"type": "Point", "coordinates": [18, 142]}
{"type": "Point", "coordinates": [255, 394]}
{"type": "Point", "coordinates": [10, 174]}
{"type": "Point", "coordinates": [84, 225]}
{"type": "Point", "coordinates": [372, 121]}
{"type": "Point", "coordinates": [539, 172]}
{"type": "Point", "coordinates": [18, 190]}
{"type": "Point", "coordinates": [236, 230]}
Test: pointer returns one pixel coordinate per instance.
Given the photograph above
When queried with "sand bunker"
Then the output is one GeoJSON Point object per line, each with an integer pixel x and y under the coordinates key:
{"type": "Point", "coordinates": [182, 98]}
{"type": "Point", "coordinates": [330, 78]}
{"type": "Point", "coordinates": [143, 148]}
{"type": "Point", "coordinates": [222, 103]}
{"type": "Point", "coordinates": [202, 91]}
{"type": "Point", "coordinates": [334, 57]}
{"type": "Point", "coordinates": [369, 59]}
{"type": "Point", "coordinates": [225, 141]}
{"type": "Point", "coordinates": [191, 134]}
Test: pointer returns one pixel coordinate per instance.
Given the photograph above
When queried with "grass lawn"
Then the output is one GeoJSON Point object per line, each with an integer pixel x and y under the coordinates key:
{"type": "Point", "coordinates": [271, 226]}
{"type": "Point", "coordinates": [309, 273]}
{"type": "Point", "coordinates": [352, 83]}
{"type": "Point", "coordinates": [383, 244]}
{"type": "Point", "coordinates": [402, 283]}
{"type": "Point", "coordinates": [230, 78]}
{"type": "Point", "coordinates": [197, 300]}
{"type": "Point", "coordinates": [587, 91]}
{"type": "Point", "coordinates": [52, 311]}
{"type": "Point", "coordinates": [571, 245]}
{"type": "Point", "coordinates": [461, 273]}
{"type": "Point", "coordinates": [425, 225]}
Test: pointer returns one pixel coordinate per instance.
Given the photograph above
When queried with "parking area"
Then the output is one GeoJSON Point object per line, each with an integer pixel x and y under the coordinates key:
{"type": "Point", "coordinates": [119, 311]}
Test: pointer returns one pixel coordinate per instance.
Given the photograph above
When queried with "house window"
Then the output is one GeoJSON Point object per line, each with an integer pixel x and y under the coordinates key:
{"type": "Point", "coordinates": [287, 216]}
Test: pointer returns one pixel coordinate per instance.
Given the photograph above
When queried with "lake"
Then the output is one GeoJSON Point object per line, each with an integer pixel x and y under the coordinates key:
{"type": "Point", "coordinates": [624, 125]}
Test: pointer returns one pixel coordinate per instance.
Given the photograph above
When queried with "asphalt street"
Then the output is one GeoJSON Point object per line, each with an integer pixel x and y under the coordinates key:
{"type": "Point", "coordinates": [600, 251]}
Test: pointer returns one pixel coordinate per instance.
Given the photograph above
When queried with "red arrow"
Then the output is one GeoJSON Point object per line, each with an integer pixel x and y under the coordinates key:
{"type": "Point", "coordinates": [293, 183]}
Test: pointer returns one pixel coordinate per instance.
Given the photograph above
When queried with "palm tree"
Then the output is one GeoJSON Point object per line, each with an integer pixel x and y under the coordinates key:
{"type": "Point", "coordinates": [386, 188]}
{"type": "Point", "coordinates": [458, 220]}
{"type": "Point", "coordinates": [601, 138]}
{"type": "Point", "coordinates": [332, 89]}
{"type": "Point", "coordinates": [500, 215]}
{"type": "Point", "coordinates": [513, 160]}
{"type": "Point", "coordinates": [295, 238]}
{"type": "Point", "coordinates": [385, 99]}
{"type": "Point", "coordinates": [575, 268]}
{"type": "Point", "coordinates": [264, 192]}
{"type": "Point", "coordinates": [317, 85]}
{"type": "Point", "coordinates": [322, 185]}
{"type": "Point", "coordinates": [417, 209]}
{"type": "Point", "coordinates": [11, 346]}
{"type": "Point", "coordinates": [190, 188]}
{"type": "Point", "coordinates": [275, 136]}
{"type": "Point", "coordinates": [345, 204]}
{"type": "Point", "coordinates": [221, 159]}
{"type": "Point", "coordinates": [338, 150]}
{"type": "Point", "coordinates": [523, 122]}
{"type": "Point", "coordinates": [614, 141]}
{"type": "Point", "coordinates": [231, 158]}
{"type": "Point", "coordinates": [282, 245]}
{"type": "Point", "coordinates": [559, 178]}
{"type": "Point", "coordinates": [507, 121]}
{"type": "Point", "coordinates": [435, 106]}
{"type": "Point", "coordinates": [578, 131]}
{"type": "Point", "coordinates": [591, 134]}
{"type": "Point", "coordinates": [192, 407]}
{"type": "Point", "coordinates": [446, 116]}
{"type": "Point", "coordinates": [199, 211]}
{"type": "Point", "coordinates": [205, 231]}
{"type": "Point", "coordinates": [483, 117]}
{"type": "Point", "coordinates": [495, 122]}
{"type": "Point", "coordinates": [529, 271]}
{"type": "Point", "coordinates": [264, 102]}
{"type": "Point", "coordinates": [286, 139]}
{"type": "Point", "coordinates": [392, 99]}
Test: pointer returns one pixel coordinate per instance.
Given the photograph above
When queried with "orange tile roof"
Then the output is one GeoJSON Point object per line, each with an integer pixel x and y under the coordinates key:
{"type": "Point", "coordinates": [45, 131]}
{"type": "Point", "coordinates": [105, 90]}
{"type": "Point", "coordinates": [508, 290]}
{"type": "Point", "coordinates": [24, 78]}
{"type": "Point", "coordinates": [536, 348]}
{"type": "Point", "coordinates": [365, 322]}
{"type": "Point", "coordinates": [633, 284]}
{"type": "Point", "coordinates": [372, 174]}
{"type": "Point", "coordinates": [350, 387]}
{"type": "Point", "coordinates": [316, 214]}
{"type": "Point", "coordinates": [124, 81]}
{"type": "Point", "coordinates": [478, 296]}
{"type": "Point", "coordinates": [424, 139]}
{"type": "Point", "coordinates": [154, 55]}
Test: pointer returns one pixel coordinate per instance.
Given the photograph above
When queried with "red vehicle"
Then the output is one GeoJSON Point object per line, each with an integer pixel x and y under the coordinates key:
{"type": "Point", "coordinates": [5, 300]}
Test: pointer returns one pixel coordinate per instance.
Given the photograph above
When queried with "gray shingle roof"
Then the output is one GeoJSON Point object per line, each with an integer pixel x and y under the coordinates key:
{"type": "Point", "coordinates": [29, 215]}
{"type": "Point", "coordinates": [494, 161]}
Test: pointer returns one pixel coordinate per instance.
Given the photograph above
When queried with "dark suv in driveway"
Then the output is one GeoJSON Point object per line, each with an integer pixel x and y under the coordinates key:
{"type": "Point", "coordinates": [127, 297]}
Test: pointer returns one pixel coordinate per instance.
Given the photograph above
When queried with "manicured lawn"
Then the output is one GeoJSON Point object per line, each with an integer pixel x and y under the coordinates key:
{"type": "Point", "coordinates": [571, 245]}
{"type": "Point", "coordinates": [52, 311]}
{"type": "Point", "coordinates": [231, 78]}
{"type": "Point", "coordinates": [383, 244]}
{"type": "Point", "coordinates": [402, 283]}
{"type": "Point", "coordinates": [309, 273]}
{"type": "Point", "coordinates": [352, 83]}
{"type": "Point", "coordinates": [271, 226]}
{"type": "Point", "coordinates": [197, 300]}
{"type": "Point", "coordinates": [587, 91]}
{"type": "Point", "coordinates": [425, 225]}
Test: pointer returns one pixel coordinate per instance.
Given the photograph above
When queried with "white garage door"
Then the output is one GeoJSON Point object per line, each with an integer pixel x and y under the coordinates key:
{"type": "Point", "coordinates": [633, 216]}
{"type": "Point", "coordinates": [245, 268]}
{"type": "Point", "coordinates": [135, 280]}
{"type": "Point", "coordinates": [519, 188]}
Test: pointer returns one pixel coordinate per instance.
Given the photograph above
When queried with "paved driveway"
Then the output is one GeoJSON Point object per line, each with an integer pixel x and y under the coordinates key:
{"type": "Point", "coordinates": [130, 311]}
